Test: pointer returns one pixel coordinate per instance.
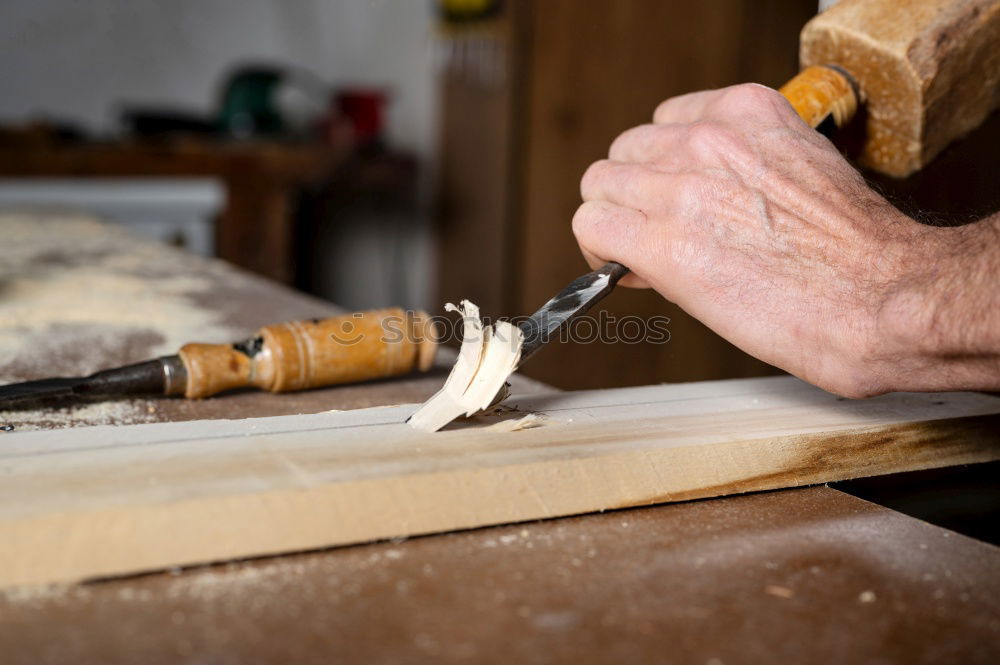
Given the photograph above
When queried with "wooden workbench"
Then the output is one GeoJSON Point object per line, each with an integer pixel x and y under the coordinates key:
{"type": "Point", "coordinates": [263, 181]}
{"type": "Point", "coordinates": [797, 575]}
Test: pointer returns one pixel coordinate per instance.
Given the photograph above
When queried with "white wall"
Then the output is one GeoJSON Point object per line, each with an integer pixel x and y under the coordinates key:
{"type": "Point", "coordinates": [72, 59]}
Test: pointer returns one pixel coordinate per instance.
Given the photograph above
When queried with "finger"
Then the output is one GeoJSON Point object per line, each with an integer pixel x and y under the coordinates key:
{"type": "Point", "coordinates": [626, 184]}
{"type": "Point", "coordinates": [609, 232]}
{"type": "Point", "coordinates": [631, 280]}
{"type": "Point", "coordinates": [743, 101]}
{"type": "Point", "coordinates": [656, 145]}
{"type": "Point", "coordinates": [692, 107]}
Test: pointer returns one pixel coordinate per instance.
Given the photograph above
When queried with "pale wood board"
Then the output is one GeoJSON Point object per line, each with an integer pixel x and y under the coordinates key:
{"type": "Point", "coordinates": [100, 501]}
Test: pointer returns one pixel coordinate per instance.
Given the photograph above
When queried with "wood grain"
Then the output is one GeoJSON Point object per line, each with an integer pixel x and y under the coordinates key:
{"type": "Point", "coordinates": [104, 501]}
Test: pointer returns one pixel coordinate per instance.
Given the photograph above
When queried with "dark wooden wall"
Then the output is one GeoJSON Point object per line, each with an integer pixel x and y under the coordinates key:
{"type": "Point", "coordinates": [581, 72]}
{"type": "Point", "coordinates": [597, 69]}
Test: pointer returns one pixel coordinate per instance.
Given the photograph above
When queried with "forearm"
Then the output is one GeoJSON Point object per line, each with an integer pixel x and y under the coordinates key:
{"type": "Point", "coordinates": [942, 318]}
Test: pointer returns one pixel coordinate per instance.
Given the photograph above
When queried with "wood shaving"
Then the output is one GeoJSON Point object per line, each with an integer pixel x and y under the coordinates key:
{"type": "Point", "coordinates": [489, 355]}
{"type": "Point", "coordinates": [527, 421]}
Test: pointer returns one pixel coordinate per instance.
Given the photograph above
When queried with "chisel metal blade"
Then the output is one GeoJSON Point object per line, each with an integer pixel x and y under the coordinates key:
{"type": "Point", "coordinates": [151, 377]}
{"type": "Point", "coordinates": [43, 390]}
{"type": "Point", "coordinates": [579, 296]}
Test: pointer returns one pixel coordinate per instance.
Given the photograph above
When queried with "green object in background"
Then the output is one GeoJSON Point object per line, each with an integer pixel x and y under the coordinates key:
{"type": "Point", "coordinates": [249, 102]}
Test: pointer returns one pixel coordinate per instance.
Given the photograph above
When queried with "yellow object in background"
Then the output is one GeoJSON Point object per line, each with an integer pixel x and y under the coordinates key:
{"type": "Point", "coordinates": [468, 10]}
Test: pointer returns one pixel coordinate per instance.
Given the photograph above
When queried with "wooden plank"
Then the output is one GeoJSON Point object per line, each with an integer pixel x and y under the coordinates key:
{"type": "Point", "coordinates": [102, 501]}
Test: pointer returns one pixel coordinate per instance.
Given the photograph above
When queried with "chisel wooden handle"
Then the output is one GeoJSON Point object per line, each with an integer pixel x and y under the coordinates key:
{"type": "Point", "coordinates": [310, 354]}
{"type": "Point", "coordinates": [822, 94]}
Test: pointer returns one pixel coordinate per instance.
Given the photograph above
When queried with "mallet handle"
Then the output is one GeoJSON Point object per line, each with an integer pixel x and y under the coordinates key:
{"type": "Point", "coordinates": [822, 94]}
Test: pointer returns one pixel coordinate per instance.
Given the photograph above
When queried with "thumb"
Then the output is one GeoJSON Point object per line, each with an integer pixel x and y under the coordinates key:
{"type": "Point", "coordinates": [609, 232]}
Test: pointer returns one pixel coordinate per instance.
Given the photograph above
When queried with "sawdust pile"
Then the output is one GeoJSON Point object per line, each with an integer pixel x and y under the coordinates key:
{"type": "Point", "coordinates": [99, 413]}
{"type": "Point", "coordinates": [74, 287]}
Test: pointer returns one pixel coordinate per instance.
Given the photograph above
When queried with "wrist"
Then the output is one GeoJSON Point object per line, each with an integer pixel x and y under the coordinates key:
{"type": "Point", "coordinates": [937, 323]}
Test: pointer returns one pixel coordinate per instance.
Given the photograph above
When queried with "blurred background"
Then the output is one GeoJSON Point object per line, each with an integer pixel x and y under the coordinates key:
{"type": "Point", "coordinates": [375, 152]}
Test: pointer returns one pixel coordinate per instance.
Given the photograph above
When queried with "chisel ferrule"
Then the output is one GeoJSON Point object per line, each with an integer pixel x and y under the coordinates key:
{"type": "Point", "coordinates": [174, 375]}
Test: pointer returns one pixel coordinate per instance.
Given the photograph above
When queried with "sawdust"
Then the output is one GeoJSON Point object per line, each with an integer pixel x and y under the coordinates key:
{"type": "Point", "coordinates": [225, 580]}
{"type": "Point", "coordinates": [44, 593]}
{"type": "Point", "coordinates": [75, 282]}
{"type": "Point", "coordinates": [527, 421]}
{"type": "Point", "coordinates": [100, 413]}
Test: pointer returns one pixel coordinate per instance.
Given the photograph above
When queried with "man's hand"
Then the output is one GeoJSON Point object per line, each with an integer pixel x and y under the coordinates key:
{"type": "Point", "coordinates": [733, 208]}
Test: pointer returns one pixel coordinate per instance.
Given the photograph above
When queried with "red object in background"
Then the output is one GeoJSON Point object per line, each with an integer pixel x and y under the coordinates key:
{"type": "Point", "coordinates": [365, 109]}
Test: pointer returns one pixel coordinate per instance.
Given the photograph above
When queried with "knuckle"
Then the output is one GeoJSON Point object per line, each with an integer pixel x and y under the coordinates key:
{"type": "Point", "coordinates": [714, 140]}
{"type": "Point", "coordinates": [660, 111]}
{"type": "Point", "coordinates": [705, 136]}
{"type": "Point", "coordinates": [583, 219]}
{"type": "Point", "coordinates": [592, 174]}
{"type": "Point", "coordinates": [619, 146]}
{"type": "Point", "coordinates": [758, 100]}
{"type": "Point", "coordinates": [752, 94]}
{"type": "Point", "coordinates": [626, 145]}
{"type": "Point", "coordinates": [662, 138]}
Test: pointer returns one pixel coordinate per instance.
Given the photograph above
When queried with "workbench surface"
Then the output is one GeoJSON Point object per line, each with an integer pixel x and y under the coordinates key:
{"type": "Point", "coordinates": [793, 575]}
{"type": "Point", "coordinates": [78, 296]}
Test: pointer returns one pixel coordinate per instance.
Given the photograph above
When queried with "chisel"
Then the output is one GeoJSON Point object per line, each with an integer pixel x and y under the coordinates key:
{"type": "Point", "coordinates": [579, 296]}
{"type": "Point", "coordinates": [279, 358]}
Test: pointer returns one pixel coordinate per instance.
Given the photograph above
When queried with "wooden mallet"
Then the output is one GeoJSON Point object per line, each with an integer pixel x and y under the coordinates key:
{"type": "Point", "coordinates": [926, 71]}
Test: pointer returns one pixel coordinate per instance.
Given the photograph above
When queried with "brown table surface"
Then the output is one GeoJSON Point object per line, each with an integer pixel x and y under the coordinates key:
{"type": "Point", "coordinates": [796, 575]}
